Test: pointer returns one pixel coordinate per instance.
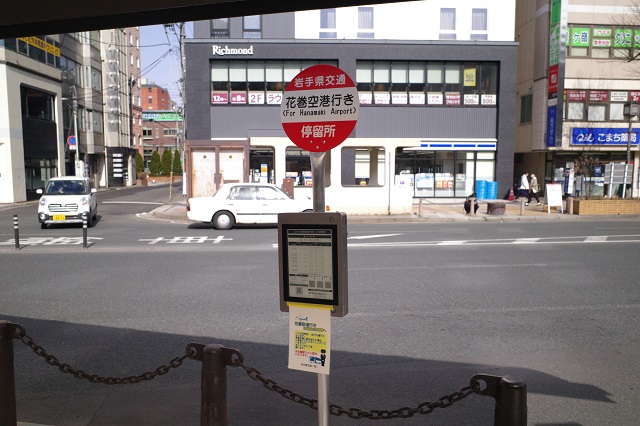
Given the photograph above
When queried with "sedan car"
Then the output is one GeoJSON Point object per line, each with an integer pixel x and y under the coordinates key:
{"type": "Point", "coordinates": [244, 203]}
{"type": "Point", "coordinates": [65, 200]}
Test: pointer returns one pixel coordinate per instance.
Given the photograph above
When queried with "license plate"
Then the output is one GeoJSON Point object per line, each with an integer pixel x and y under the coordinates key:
{"type": "Point", "coordinates": [59, 217]}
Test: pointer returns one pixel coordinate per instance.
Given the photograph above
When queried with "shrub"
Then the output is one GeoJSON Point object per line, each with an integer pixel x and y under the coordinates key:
{"type": "Point", "coordinates": [177, 165]}
{"type": "Point", "coordinates": [165, 166]}
{"type": "Point", "coordinates": [139, 163]}
{"type": "Point", "coordinates": [154, 166]}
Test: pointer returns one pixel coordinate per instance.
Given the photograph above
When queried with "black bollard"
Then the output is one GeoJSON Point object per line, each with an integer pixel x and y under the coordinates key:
{"type": "Point", "coordinates": [16, 231]}
{"type": "Point", "coordinates": [8, 415]}
{"type": "Point", "coordinates": [510, 394]}
{"type": "Point", "coordinates": [213, 408]}
{"type": "Point", "coordinates": [84, 230]}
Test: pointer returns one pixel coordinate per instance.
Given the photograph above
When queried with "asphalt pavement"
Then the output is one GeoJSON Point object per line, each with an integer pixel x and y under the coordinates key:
{"type": "Point", "coordinates": [155, 401]}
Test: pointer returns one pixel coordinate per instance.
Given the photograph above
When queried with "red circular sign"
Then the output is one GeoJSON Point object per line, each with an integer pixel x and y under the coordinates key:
{"type": "Point", "coordinates": [319, 108]}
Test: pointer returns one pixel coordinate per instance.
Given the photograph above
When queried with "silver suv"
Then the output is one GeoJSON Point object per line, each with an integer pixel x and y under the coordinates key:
{"type": "Point", "coordinates": [65, 200]}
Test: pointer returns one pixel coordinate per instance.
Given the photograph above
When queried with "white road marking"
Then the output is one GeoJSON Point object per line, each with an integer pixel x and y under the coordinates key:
{"type": "Point", "coordinates": [365, 237]}
{"type": "Point", "coordinates": [132, 202]}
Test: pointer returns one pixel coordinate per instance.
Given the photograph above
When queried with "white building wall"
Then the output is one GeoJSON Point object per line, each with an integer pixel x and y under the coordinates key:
{"type": "Point", "coordinates": [417, 20]}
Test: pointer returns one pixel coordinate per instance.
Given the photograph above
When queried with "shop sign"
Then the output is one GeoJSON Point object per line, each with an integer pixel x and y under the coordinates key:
{"type": "Point", "coordinates": [489, 99]}
{"type": "Point", "coordinates": [601, 42]}
{"type": "Point", "coordinates": [602, 32]}
{"type": "Point", "coordinates": [580, 37]}
{"type": "Point", "coordinates": [453, 98]}
{"type": "Point", "coordinates": [598, 96]}
{"type": "Point", "coordinates": [623, 38]}
{"type": "Point", "coordinates": [635, 96]}
{"type": "Point", "coordinates": [435, 99]}
{"type": "Point", "coordinates": [602, 136]}
{"type": "Point", "coordinates": [471, 99]}
{"type": "Point", "coordinates": [619, 96]}
{"type": "Point", "coordinates": [226, 50]}
{"type": "Point", "coordinates": [219, 97]}
{"type": "Point", "coordinates": [577, 95]}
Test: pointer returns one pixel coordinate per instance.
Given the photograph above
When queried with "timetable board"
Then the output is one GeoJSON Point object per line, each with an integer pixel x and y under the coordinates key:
{"type": "Point", "coordinates": [313, 260]}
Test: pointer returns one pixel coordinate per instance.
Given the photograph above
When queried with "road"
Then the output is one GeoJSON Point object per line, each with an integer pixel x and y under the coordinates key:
{"type": "Point", "coordinates": [555, 303]}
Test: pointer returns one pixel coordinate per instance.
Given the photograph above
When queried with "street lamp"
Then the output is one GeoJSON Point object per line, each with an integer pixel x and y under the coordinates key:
{"type": "Point", "coordinates": [630, 110]}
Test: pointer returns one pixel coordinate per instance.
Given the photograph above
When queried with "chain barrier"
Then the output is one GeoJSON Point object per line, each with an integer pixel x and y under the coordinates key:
{"type": "Point", "coordinates": [355, 413]}
{"type": "Point", "coordinates": [21, 334]}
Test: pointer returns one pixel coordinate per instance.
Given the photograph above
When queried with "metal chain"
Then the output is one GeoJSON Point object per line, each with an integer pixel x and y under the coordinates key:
{"type": "Point", "coordinates": [20, 334]}
{"type": "Point", "coordinates": [356, 413]}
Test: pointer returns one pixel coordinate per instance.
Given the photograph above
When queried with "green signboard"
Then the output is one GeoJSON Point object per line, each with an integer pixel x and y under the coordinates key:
{"type": "Point", "coordinates": [622, 38]}
{"type": "Point", "coordinates": [161, 116]}
{"type": "Point", "coordinates": [580, 36]}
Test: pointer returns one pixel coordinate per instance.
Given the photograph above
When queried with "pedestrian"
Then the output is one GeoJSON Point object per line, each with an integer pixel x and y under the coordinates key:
{"type": "Point", "coordinates": [523, 189]}
{"type": "Point", "coordinates": [467, 204]}
{"type": "Point", "coordinates": [533, 190]}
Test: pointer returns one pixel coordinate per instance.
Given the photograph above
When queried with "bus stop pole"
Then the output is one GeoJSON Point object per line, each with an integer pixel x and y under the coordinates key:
{"type": "Point", "coordinates": [317, 176]}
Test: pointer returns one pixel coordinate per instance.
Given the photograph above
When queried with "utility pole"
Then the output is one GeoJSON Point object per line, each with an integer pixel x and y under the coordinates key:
{"type": "Point", "coordinates": [79, 166]}
{"type": "Point", "coordinates": [132, 83]}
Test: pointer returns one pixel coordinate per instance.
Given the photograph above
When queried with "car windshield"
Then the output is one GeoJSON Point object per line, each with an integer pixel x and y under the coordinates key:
{"type": "Point", "coordinates": [66, 187]}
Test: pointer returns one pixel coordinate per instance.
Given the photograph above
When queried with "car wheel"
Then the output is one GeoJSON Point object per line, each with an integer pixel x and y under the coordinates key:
{"type": "Point", "coordinates": [90, 221]}
{"type": "Point", "coordinates": [43, 226]}
{"type": "Point", "coordinates": [223, 220]}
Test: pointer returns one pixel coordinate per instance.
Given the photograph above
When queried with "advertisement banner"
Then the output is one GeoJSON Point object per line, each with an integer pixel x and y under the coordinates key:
{"type": "Point", "coordinates": [603, 136]}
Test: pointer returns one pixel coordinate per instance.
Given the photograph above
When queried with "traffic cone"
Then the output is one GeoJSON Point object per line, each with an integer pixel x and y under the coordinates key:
{"type": "Point", "coordinates": [511, 196]}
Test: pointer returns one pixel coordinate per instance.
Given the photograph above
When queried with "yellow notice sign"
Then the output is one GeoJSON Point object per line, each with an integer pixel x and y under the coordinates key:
{"type": "Point", "coordinates": [309, 339]}
{"type": "Point", "coordinates": [470, 77]}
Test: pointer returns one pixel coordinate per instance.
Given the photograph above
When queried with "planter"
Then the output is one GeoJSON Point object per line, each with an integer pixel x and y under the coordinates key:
{"type": "Point", "coordinates": [609, 207]}
{"type": "Point", "coordinates": [164, 178]}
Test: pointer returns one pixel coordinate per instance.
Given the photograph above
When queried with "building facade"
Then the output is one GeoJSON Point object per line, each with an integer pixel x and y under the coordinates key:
{"type": "Point", "coordinates": [435, 115]}
{"type": "Point", "coordinates": [65, 111]}
{"type": "Point", "coordinates": [574, 78]}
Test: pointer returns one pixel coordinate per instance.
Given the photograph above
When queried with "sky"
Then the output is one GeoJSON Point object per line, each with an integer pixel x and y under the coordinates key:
{"type": "Point", "coordinates": [160, 59]}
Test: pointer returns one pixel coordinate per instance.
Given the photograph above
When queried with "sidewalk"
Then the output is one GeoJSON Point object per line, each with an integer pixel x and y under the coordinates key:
{"type": "Point", "coordinates": [433, 210]}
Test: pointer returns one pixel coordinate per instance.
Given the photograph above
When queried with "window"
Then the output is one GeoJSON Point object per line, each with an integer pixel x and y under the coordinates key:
{"type": "Point", "coordinates": [253, 82]}
{"type": "Point", "coordinates": [399, 77]}
{"type": "Point", "coordinates": [365, 22]}
{"type": "Point", "coordinates": [220, 28]}
{"type": "Point", "coordinates": [363, 166]}
{"type": "Point", "coordinates": [96, 120]}
{"type": "Point", "coordinates": [96, 80]}
{"type": "Point", "coordinates": [381, 82]}
{"type": "Point", "coordinates": [448, 19]}
{"type": "Point", "coordinates": [252, 26]}
{"type": "Point", "coordinates": [479, 19]}
{"type": "Point", "coordinates": [526, 113]}
{"type": "Point", "coordinates": [37, 104]}
{"type": "Point", "coordinates": [146, 133]}
{"type": "Point", "coordinates": [298, 167]}
{"type": "Point", "coordinates": [169, 132]}
{"type": "Point", "coordinates": [328, 22]}
{"type": "Point", "coordinates": [479, 37]}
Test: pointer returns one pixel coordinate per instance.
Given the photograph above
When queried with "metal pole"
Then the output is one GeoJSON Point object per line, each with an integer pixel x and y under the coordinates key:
{"type": "Point", "coordinates": [213, 405]}
{"type": "Point", "coordinates": [16, 231]}
{"type": "Point", "coordinates": [74, 93]}
{"type": "Point", "coordinates": [317, 176]}
{"type": "Point", "coordinates": [7, 377]}
{"type": "Point", "coordinates": [511, 403]}
{"type": "Point", "coordinates": [84, 230]}
{"type": "Point", "coordinates": [626, 165]}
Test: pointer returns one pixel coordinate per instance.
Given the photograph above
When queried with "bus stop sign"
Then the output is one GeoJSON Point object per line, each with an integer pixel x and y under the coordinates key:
{"type": "Point", "coordinates": [320, 108]}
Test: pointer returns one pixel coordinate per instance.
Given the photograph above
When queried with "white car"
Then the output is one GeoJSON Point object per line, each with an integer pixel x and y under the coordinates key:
{"type": "Point", "coordinates": [65, 200]}
{"type": "Point", "coordinates": [244, 203]}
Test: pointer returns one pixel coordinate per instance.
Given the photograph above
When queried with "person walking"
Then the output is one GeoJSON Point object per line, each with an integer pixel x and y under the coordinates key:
{"type": "Point", "coordinates": [523, 189]}
{"type": "Point", "coordinates": [533, 190]}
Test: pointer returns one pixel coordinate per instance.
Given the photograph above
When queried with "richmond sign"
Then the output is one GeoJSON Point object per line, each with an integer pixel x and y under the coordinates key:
{"type": "Point", "coordinates": [226, 50]}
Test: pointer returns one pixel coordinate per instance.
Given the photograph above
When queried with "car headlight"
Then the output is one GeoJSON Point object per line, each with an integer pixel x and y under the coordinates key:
{"type": "Point", "coordinates": [43, 202]}
{"type": "Point", "coordinates": [84, 201]}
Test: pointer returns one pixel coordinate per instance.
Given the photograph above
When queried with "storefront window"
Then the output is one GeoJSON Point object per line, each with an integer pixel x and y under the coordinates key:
{"type": "Point", "coordinates": [299, 167]}
{"type": "Point", "coordinates": [261, 167]}
{"type": "Point", "coordinates": [363, 166]}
